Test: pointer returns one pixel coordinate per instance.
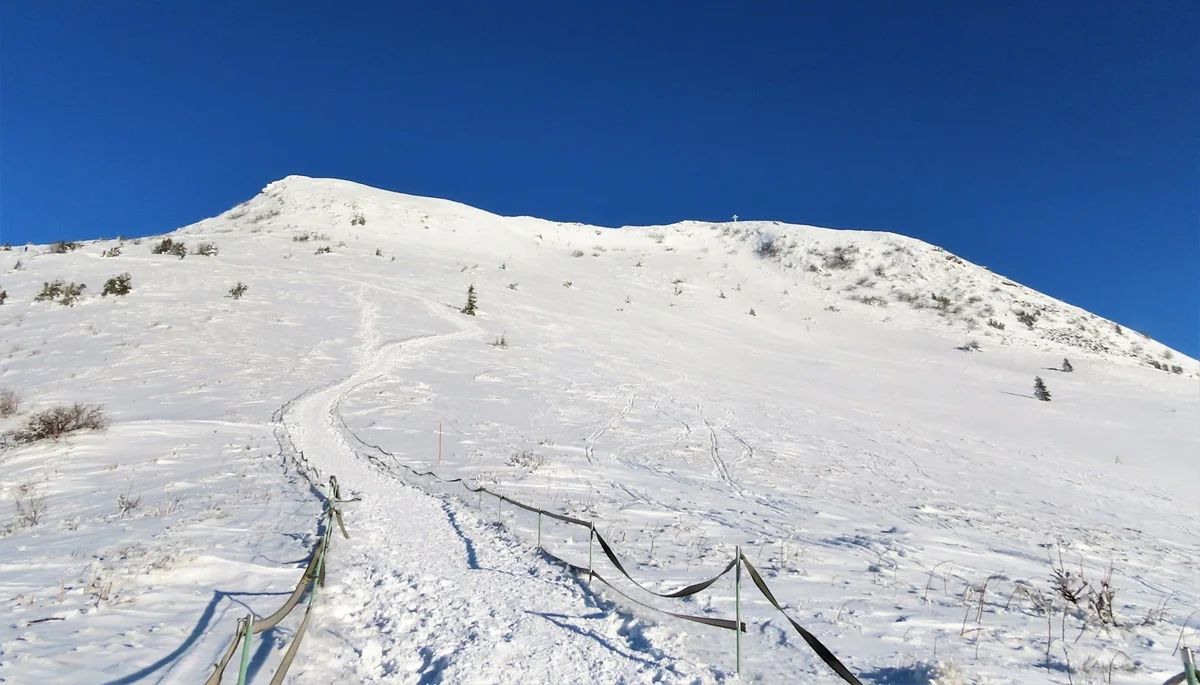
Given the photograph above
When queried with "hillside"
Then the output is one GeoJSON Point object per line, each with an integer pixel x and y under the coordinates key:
{"type": "Point", "coordinates": [796, 391]}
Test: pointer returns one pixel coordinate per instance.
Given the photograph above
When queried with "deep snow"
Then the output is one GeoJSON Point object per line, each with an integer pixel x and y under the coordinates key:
{"type": "Point", "coordinates": [879, 476]}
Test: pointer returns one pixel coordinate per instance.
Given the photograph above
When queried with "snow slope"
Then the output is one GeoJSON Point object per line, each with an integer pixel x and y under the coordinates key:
{"type": "Point", "coordinates": [881, 478]}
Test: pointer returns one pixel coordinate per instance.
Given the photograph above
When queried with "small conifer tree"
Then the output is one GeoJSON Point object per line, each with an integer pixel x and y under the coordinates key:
{"type": "Point", "coordinates": [1066, 367]}
{"type": "Point", "coordinates": [752, 312]}
{"type": "Point", "coordinates": [1039, 389]}
{"type": "Point", "coordinates": [469, 309]}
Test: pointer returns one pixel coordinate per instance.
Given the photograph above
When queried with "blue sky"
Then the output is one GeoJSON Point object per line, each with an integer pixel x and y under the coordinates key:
{"type": "Point", "coordinates": [1056, 142]}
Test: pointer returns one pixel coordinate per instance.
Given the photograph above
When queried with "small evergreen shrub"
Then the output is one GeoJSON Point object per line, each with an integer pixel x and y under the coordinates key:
{"type": "Point", "coordinates": [205, 250]}
{"type": "Point", "coordinates": [996, 324]}
{"type": "Point", "coordinates": [971, 346]}
{"type": "Point", "coordinates": [171, 247]}
{"type": "Point", "coordinates": [501, 342]}
{"type": "Point", "coordinates": [324, 249]}
{"type": "Point", "coordinates": [114, 251]}
{"type": "Point", "coordinates": [61, 292]}
{"type": "Point", "coordinates": [943, 302]}
{"type": "Point", "coordinates": [64, 247]}
{"type": "Point", "coordinates": [1066, 366]}
{"type": "Point", "coordinates": [238, 290]}
{"type": "Point", "coordinates": [752, 312]}
{"type": "Point", "coordinates": [577, 253]}
{"type": "Point", "coordinates": [117, 285]}
{"type": "Point", "coordinates": [1027, 318]}
{"type": "Point", "coordinates": [3, 295]}
{"type": "Point", "coordinates": [358, 220]}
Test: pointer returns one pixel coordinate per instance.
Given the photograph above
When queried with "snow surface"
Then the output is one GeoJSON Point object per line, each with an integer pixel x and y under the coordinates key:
{"type": "Point", "coordinates": [876, 474]}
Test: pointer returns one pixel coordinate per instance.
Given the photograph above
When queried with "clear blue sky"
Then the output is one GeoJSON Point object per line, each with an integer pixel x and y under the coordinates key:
{"type": "Point", "coordinates": [1056, 142]}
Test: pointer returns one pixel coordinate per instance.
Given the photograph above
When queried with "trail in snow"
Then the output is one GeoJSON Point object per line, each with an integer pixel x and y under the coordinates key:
{"type": "Point", "coordinates": [425, 591]}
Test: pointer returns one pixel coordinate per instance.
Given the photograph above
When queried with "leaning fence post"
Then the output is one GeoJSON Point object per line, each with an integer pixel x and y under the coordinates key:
{"type": "Point", "coordinates": [591, 539]}
{"type": "Point", "coordinates": [1189, 667]}
{"type": "Point", "coordinates": [539, 531]}
{"type": "Point", "coordinates": [246, 649]}
{"type": "Point", "coordinates": [737, 605]}
{"type": "Point", "coordinates": [499, 501]}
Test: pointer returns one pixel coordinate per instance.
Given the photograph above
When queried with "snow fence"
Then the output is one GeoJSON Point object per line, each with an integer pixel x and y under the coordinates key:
{"type": "Point", "coordinates": [735, 564]}
{"type": "Point", "coordinates": [313, 577]}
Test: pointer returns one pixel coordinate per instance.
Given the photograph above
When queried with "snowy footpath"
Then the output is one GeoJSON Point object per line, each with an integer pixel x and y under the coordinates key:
{"type": "Point", "coordinates": [427, 590]}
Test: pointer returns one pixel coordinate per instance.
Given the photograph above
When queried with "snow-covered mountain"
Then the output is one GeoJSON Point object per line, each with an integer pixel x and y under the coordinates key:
{"type": "Point", "coordinates": [851, 408]}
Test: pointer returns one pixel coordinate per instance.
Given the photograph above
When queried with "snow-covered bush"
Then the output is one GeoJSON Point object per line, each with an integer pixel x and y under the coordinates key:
{"type": "Point", "coordinates": [55, 422]}
{"type": "Point", "coordinates": [205, 250]}
{"type": "Point", "coordinates": [238, 290]}
{"type": "Point", "coordinates": [64, 247]}
{"type": "Point", "coordinates": [171, 247]}
{"type": "Point", "coordinates": [841, 257]}
{"type": "Point", "coordinates": [766, 245]}
{"type": "Point", "coordinates": [528, 460]}
{"type": "Point", "coordinates": [117, 285]}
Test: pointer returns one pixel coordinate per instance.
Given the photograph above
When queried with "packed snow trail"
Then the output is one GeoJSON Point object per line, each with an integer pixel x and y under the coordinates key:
{"type": "Point", "coordinates": [426, 592]}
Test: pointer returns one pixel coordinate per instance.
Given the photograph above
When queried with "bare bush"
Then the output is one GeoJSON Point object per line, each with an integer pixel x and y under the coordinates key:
{"type": "Point", "coordinates": [872, 300]}
{"type": "Point", "coordinates": [324, 249]}
{"type": "Point", "coordinates": [358, 219]}
{"type": "Point", "coordinates": [56, 422]}
{"type": "Point", "coordinates": [995, 324]}
{"type": "Point", "coordinates": [841, 257]}
{"type": "Point", "coordinates": [307, 236]}
{"type": "Point", "coordinates": [501, 342]}
{"type": "Point", "coordinates": [238, 290]}
{"type": "Point", "coordinates": [127, 504]}
{"type": "Point", "coordinates": [970, 346]}
{"type": "Point", "coordinates": [577, 253]}
{"type": "Point", "coordinates": [527, 459]}
{"type": "Point", "coordinates": [10, 403]}
{"type": "Point", "coordinates": [114, 251]}
{"type": "Point", "coordinates": [943, 302]}
{"type": "Point", "coordinates": [30, 506]}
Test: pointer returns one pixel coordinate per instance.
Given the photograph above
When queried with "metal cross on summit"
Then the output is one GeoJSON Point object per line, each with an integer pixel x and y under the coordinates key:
{"type": "Point", "coordinates": [735, 218]}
